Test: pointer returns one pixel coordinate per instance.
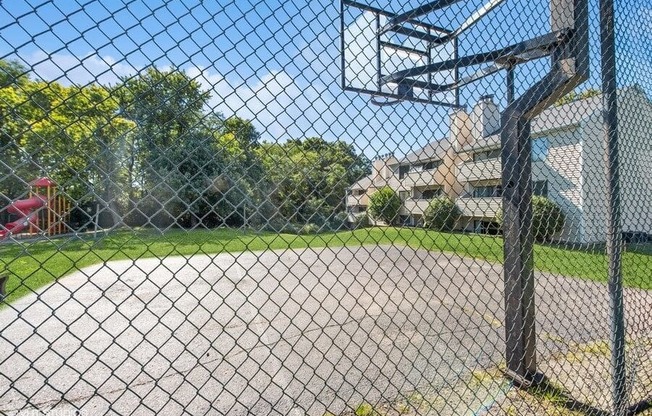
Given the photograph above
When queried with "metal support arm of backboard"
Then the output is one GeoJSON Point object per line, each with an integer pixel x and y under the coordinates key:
{"type": "Point", "coordinates": [394, 23]}
{"type": "Point", "coordinates": [503, 58]}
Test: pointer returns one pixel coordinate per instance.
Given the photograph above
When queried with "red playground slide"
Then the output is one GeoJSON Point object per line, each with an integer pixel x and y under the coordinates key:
{"type": "Point", "coordinates": [26, 209]}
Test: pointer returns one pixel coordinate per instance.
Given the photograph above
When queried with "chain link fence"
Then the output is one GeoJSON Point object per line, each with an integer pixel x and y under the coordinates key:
{"type": "Point", "coordinates": [325, 208]}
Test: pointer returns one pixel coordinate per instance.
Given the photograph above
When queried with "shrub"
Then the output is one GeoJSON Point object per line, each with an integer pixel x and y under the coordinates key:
{"type": "Point", "coordinates": [279, 224]}
{"type": "Point", "coordinates": [309, 228]}
{"type": "Point", "coordinates": [441, 214]}
{"type": "Point", "coordinates": [384, 205]}
{"type": "Point", "coordinates": [361, 221]}
{"type": "Point", "coordinates": [547, 218]}
{"type": "Point", "coordinates": [339, 221]}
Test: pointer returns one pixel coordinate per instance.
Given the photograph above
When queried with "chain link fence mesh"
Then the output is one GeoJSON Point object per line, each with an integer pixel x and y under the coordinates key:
{"type": "Point", "coordinates": [225, 208]}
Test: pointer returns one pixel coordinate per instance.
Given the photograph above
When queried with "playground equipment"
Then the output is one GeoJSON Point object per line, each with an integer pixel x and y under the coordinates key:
{"type": "Point", "coordinates": [45, 211]}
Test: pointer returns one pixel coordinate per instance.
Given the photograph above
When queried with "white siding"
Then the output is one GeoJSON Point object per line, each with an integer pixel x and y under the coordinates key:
{"type": "Point", "coordinates": [635, 144]}
{"type": "Point", "coordinates": [635, 112]}
{"type": "Point", "coordinates": [595, 183]}
{"type": "Point", "coordinates": [574, 167]}
{"type": "Point", "coordinates": [562, 168]}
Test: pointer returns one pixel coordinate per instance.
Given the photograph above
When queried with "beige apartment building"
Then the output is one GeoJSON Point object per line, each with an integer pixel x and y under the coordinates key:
{"type": "Point", "coordinates": [568, 167]}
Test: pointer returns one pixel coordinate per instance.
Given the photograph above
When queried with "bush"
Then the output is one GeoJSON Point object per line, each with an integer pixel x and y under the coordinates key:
{"type": "Point", "coordinates": [547, 218]}
{"type": "Point", "coordinates": [279, 224]}
{"type": "Point", "coordinates": [384, 205]}
{"type": "Point", "coordinates": [309, 228]}
{"type": "Point", "coordinates": [441, 214]}
{"type": "Point", "coordinates": [361, 221]}
{"type": "Point", "coordinates": [337, 222]}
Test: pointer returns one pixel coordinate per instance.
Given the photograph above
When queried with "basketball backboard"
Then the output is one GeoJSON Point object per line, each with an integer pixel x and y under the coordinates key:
{"type": "Point", "coordinates": [371, 52]}
{"type": "Point", "coordinates": [403, 56]}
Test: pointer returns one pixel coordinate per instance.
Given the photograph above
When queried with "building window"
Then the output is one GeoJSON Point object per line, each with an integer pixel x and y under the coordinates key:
{"type": "Point", "coordinates": [490, 191]}
{"type": "Point", "coordinates": [489, 154]}
{"type": "Point", "coordinates": [486, 227]}
{"type": "Point", "coordinates": [540, 188]}
{"type": "Point", "coordinates": [433, 164]}
{"type": "Point", "coordinates": [431, 193]}
{"type": "Point", "coordinates": [403, 170]}
{"type": "Point", "coordinates": [416, 168]}
{"type": "Point", "coordinates": [540, 149]}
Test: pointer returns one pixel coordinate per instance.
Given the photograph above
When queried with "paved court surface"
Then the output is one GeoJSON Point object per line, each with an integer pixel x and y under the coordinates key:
{"type": "Point", "coordinates": [275, 332]}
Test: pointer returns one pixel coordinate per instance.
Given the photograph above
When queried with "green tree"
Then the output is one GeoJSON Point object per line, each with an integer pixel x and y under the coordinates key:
{"type": "Point", "coordinates": [193, 167]}
{"type": "Point", "coordinates": [12, 73]}
{"type": "Point", "coordinates": [167, 109]}
{"type": "Point", "coordinates": [384, 205]}
{"type": "Point", "coordinates": [74, 135]}
{"type": "Point", "coordinates": [308, 178]}
{"type": "Point", "coordinates": [441, 214]}
{"type": "Point", "coordinates": [13, 125]}
{"type": "Point", "coordinates": [243, 196]}
{"type": "Point", "coordinates": [574, 96]}
{"type": "Point", "coordinates": [71, 134]}
{"type": "Point", "coordinates": [547, 218]}
{"type": "Point", "coordinates": [165, 105]}
{"type": "Point", "coordinates": [188, 171]}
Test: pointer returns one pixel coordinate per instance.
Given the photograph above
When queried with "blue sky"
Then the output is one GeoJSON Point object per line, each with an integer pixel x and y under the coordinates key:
{"type": "Point", "coordinates": [277, 62]}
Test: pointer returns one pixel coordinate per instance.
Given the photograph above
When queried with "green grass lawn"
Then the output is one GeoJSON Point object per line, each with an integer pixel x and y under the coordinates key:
{"type": "Point", "coordinates": [35, 264]}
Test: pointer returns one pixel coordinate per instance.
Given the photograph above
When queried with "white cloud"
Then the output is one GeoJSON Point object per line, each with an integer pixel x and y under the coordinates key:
{"type": "Point", "coordinates": [70, 69]}
{"type": "Point", "coordinates": [281, 106]}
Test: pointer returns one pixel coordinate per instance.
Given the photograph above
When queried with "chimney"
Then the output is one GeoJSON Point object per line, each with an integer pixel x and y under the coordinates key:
{"type": "Point", "coordinates": [460, 129]}
{"type": "Point", "coordinates": [381, 170]}
{"type": "Point", "coordinates": [485, 118]}
{"type": "Point", "coordinates": [379, 166]}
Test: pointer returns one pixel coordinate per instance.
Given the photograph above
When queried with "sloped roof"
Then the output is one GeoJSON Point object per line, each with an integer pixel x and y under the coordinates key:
{"type": "Point", "coordinates": [556, 117]}
{"type": "Point", "coordinates": [434, 150]}
{"type": "Point", "coordinates": [363, 183]}
{"type": "Point", "coordinates": [489, 142]}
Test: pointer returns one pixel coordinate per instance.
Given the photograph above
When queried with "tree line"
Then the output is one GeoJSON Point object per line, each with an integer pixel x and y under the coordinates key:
{"type": "Point", "coordinates": [151, 151]}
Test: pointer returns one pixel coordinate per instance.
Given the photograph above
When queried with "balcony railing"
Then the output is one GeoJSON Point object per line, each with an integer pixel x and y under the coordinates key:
{"type": "Point", "coordinates": [424, 178]}
{"type": "Point", "coordinates": [479, 207]}
{"type": "Point", "coordinates": [480, 170]}
{"type": "Point", "coordinates": [356, 200]}
{"type": "Point", "coordinates": [413, 206]}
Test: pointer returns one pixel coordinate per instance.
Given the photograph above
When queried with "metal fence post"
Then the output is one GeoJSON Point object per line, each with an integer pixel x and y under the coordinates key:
{"type": "Point", "coordinates": [614, 226]}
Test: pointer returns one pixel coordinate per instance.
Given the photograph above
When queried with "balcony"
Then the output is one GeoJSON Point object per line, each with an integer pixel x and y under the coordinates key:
{"type": "Point", "coordinates": [424, 178]}
{"type": "Point", "coordinates": [480, 170]}
{"type": "Point", "coordinates": [356, 200]}
{"type": "Point", "coordinates": [413, 206]}
{"type": "Point", "coordinates": [479, 207]}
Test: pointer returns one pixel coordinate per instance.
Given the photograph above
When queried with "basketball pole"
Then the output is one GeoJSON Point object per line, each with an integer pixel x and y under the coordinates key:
{"type": "Point", "coordinates": [569, 68]}
{"type": "Point", "coordinates": [520, 331]}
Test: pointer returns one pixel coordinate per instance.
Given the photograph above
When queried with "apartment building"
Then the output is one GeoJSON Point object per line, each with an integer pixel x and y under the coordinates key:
{"type": "Point", "coordinates": [568, 167]}
{"type": "Point", "coordinates": [417, 177]}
